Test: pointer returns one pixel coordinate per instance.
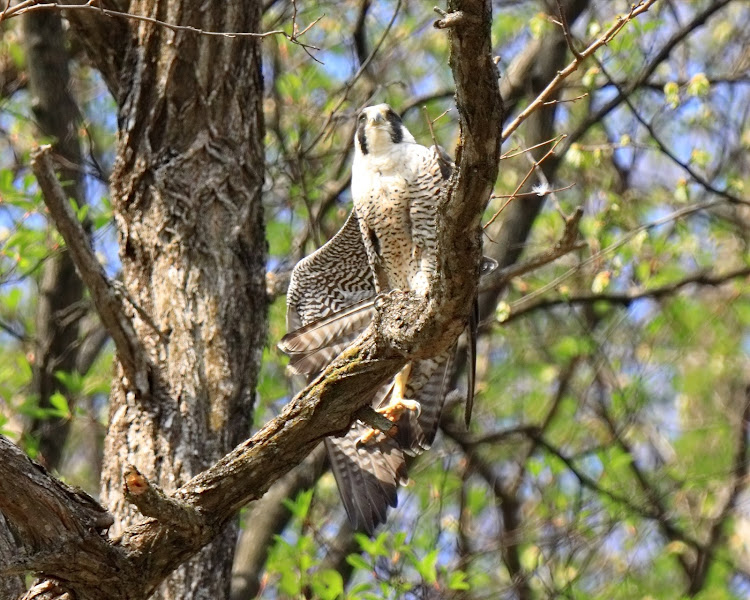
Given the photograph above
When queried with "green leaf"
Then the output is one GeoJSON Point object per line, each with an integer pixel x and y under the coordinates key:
{"type": "Point", "coordinates": [457, 580]}
{"type": "Point", "coordinates": [698, 85]}
{"type": "Point", "coordinates": [72, 380]}
{"type": "Point", "coordinates": [327, 584]}
{"type": "Point", "coordinates": [427, 566]}
{"type": "Point", "coordinates": [300, 506]}
{"type": "Point", "coordinates": [60, 404]}
{"type": "Point", "coordinates": [356, 561]}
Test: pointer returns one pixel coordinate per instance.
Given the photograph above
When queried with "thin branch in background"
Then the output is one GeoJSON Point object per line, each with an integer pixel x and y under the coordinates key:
{"type": "Point", "coordinates": [515, 151]}
{"type": "Point", "coordinates": [507, 504]}
{"type": "Point", "coordinates": [538, 193]}
{"type": "Point", "coordinates": [533, 168]}
{"type": "Point", "coordinates": [566, 31]}
{"type": "Point", "coordinates": [108, 302]}
{"type": "Point", "coordinates": [671, 155]}
{"type": "Point", "coordinates": [627, 298]}
{"type": "Point", "coordinates": [588, 482]}
{"type": "Point", "coordinates": [96, 6]}
{"type": "Point", "coordinates": [359, 35]}
{"type": "Point", "coordinates": [429, 124]}
{"type": "Point", "coordinates": [595, 117]}
{"type": "Point", "coordinates": [567, 243]}
{"type": "Point", "coordinates": [346, 88]}
{"type": "Point", "coordinates": [576, 99]}
{"type": "Point", "coordinates": [740, 473]}
{"type": "Point", "coordinates": [8, 328]}
{"type": "Point", "coordinates": [520, 304]}
{"type": "Point", "coordinates": [652, 495]}
{"type": "Point", "coordinates": [605, 38]}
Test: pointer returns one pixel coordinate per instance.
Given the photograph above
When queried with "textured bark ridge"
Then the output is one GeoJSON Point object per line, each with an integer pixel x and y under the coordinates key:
{"type": "Point", "coordinates": [189, 321]}
{"type": "Point", "coordinates": [186, 193]}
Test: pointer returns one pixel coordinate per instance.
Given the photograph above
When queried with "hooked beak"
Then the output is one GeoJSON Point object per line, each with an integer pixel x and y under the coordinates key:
{"type": "Point", "coordinates": [378, 119]}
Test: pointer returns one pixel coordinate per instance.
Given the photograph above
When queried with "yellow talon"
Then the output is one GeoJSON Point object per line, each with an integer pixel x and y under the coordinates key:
{"type": "Point", "coordinates": [396, 405]}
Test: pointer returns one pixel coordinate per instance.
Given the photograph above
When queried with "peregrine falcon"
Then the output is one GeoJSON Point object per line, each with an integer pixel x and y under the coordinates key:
{"type": "Point", "coordinates": [387, 243]}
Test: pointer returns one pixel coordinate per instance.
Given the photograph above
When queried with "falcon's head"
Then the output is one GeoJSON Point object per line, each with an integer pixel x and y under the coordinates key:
{"type": "Point", "coordinates": [379, 130]}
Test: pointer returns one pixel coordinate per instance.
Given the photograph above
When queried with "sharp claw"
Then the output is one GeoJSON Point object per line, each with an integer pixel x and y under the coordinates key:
{"type": "Point", "coordinates": [395, 409]}
{"type": "Point", "coordinates": [367, 437]}
{"type": "Point", "coordinates": [392, 412]}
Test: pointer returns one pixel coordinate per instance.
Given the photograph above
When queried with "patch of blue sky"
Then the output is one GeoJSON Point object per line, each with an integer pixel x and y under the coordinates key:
{"type": "Point", "coordinates": [745, 343]}
{"type": "Point", "coordinates": [640, 312]}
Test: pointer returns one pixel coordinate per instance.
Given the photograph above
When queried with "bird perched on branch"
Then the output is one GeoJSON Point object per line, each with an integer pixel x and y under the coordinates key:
{"type": "Point", "coordinates": [387, 243]}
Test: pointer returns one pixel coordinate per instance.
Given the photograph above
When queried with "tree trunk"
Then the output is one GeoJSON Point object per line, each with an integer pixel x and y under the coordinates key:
{"type": "Point", "coordinates": [186, 192]}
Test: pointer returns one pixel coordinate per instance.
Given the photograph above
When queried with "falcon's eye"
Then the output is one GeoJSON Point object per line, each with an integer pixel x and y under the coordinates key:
{"type": "Point", "coordinates": [362, 117]}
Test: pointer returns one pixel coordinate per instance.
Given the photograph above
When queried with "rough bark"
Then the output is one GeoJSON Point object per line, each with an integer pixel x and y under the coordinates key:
{"type": "Point", "coordinates": [11, 586]}
{"type": "Point", "coordinates": [186, 195]}
{"type": "Point", "coordinates": [60, 288]}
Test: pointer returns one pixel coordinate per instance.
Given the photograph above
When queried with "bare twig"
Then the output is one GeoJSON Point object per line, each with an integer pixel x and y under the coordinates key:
{"type": "Point", "coordinates": [567, 243]}
{"type": "Point", "coordinates": [429, 125]}
{"type": "Point", "coordinates": [535, 194]}
{"type": "Point", "coordinates": [95, 5]}
{"type": "Point", "coordinates": [605, 38]}
{"type": "Point", "coordinates": [566, 31]}
{"type": "Point", "coordinates": [535, 164]}
{"type": "Point", "coordinates": [108, 302]}
{"type": "Point", "coordinates": [350, 83]}
{"type": "Point", "coordinates": [627, 298]}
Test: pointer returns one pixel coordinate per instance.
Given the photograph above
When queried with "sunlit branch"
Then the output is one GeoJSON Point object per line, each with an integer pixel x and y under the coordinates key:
{"type": "Point", "coordinates": [627, 298]}
{"type": "Point", "coordinates": [103, 291]}
{"type": "Point", "coordinates": [595, 117]}
{"type": "Point", "coordinates": [605, 38]}
{"type": "Point", "coordinates": [535, 164]}
{"type": "Point", "coordinates": [671, 155]}
{"type": "Point", "coordinates": [95, 6]}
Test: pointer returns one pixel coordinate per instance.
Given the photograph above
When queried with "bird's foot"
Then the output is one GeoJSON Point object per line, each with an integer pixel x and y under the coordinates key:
{"type": "Point", "coordinates": [395, 407]}
{"type": "Point", "coordinates": [392, 411]}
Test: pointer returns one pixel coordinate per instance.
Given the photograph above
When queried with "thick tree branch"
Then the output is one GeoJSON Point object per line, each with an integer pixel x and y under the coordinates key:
{"type": "Point", "coordinates": [11, 586]}
{"type": "Point", "coordinates": [153, 502]}
{"type": "Point", "coordinates": [56, 522]}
